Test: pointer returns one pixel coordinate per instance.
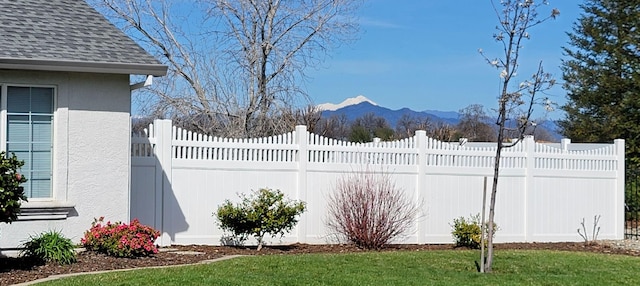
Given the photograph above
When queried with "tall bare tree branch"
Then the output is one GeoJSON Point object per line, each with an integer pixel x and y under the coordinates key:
{"type": "Point", "coordinates": [235, 67]}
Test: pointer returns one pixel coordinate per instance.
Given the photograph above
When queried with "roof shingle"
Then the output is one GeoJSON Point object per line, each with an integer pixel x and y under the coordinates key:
{"type": "Point", "coordinates": [68, 33]}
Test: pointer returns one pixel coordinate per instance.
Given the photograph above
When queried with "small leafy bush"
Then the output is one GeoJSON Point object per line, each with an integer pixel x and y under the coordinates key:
{"type": "Point", "coordinates": [263, 212]}
{"type": "Point", "coordinates": [11, 193]}
{"type": "Point", "coordinates": [121, 239]}
{"type": "Point", "coordinates": [367, 209]}
{"type": "Point", "coordinates": [466, 231]}
{"type": "Point", "coordinates": [49, 246]}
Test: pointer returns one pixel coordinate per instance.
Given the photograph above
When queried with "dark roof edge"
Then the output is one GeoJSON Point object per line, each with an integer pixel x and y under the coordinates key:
{"type": "Point", "coordinates": [78, 66]}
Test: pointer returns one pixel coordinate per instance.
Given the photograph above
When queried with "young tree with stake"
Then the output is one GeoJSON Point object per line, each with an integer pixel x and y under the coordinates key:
{"type": "Point", "coordinates": [516, 18]}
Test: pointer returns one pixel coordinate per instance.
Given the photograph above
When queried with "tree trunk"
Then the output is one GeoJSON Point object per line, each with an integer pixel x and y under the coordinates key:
{"type": "Point", "coordinates": [496, 173]}
{"type": "Point", "coordinates": [492, 205]}
{"type": "Point", "coordinates": [259, 243]}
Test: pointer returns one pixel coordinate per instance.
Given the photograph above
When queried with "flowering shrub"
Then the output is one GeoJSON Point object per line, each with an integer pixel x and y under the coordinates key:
{"type": "Point", "coordinates": [121, 239]}
{"type": "Point", "coordinates": [11, 191]}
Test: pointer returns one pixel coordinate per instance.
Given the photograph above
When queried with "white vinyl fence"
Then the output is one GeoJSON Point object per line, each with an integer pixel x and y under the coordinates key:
{"type": "Point", "coordinates": [179, 179]}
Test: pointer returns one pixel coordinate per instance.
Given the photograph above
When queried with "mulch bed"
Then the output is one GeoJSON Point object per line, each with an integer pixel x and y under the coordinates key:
{"type": "Point", "coordinates": [18, 270]}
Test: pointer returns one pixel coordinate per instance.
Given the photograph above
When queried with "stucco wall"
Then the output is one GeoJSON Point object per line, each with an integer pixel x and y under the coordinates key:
{"type": "Point", "coordinates": [91, 152]}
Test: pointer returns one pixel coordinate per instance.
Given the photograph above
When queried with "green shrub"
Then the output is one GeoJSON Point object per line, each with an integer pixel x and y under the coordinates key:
{"type": "Point", "coordinates": [121, 239]}
{"type": "Point", "coordinates": [11, 193]}
{"type": "Point", "coordinates": [466, 231]}
{"type": "Point", "coordinates": [263, 212]}
{"type": "Point", "coordinates": [50, 246]}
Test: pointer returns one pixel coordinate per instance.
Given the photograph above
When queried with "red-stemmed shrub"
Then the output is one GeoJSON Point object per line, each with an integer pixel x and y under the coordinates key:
{"type": "Point", "coordinates": [367, 209]}
{"type": "Point", "coordinates": [121, 239]}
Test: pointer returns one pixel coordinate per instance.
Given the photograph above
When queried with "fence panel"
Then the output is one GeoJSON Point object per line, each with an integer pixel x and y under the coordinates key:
{"type": "Point", "coordinates": [544, 190]}
{"type": "Point", "coordinates": [143, 178]}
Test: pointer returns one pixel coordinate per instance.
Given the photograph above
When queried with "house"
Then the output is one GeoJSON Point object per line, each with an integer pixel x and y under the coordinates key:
{"type": "Point", "coordinates": [65, 110]}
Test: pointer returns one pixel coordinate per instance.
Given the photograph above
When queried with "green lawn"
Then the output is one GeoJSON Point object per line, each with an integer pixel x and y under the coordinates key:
{"type": "Point", "coordinates": [511, 267]}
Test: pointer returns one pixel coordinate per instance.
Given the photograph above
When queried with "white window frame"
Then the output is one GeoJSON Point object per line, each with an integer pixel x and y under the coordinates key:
{"type": "Point", "coordinates": [37, 208]}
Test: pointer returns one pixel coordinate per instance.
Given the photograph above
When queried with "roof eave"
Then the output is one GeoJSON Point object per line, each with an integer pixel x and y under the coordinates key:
{"type": "Point", "coordinates": [88, 67]}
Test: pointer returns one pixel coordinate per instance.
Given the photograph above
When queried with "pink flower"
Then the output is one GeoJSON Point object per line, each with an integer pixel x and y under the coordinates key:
{"type": "Point", "coordinates": [121, 239]}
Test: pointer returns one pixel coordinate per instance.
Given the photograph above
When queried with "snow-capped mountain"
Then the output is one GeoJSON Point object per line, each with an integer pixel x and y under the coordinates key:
{"type": "Point", "coordinates": [358, 106]}
{"type": "Point", "coordinates": [347, 102]}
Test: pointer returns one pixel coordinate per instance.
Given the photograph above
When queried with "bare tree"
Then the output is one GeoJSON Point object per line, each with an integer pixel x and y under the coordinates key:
{"type": "Point", "coordinates": [241, 68]}
{"type": "Point", "coordinates": [443, 132]}
{"type": "Point", "coordinates": [334, 126]}
{"type": "Point", "coordinates": [516, 18]}
{"type": "Point", "coordinates": [309, 116]}
{"type": "Point", "coordinates": [474, 124]}
{"type": "Point", "coordinates": [407, 125]}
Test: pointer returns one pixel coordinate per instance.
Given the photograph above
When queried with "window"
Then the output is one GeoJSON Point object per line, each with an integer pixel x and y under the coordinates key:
{"type": "Point", "coordinates": [29, 134]}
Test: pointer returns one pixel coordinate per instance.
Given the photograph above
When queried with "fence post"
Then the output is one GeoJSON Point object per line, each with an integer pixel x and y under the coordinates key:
{"type": "Point", "coordinates": [565, 142]}
{"type": "Point", "coordinates": [620, 188]}
{"type": "Point", "coordinates": [421, 144]}
{"type": "Point", "coordinates": [163, 178]}
{"type": "Point", "coordinates": [529, 214]}
{"type": "Point", "coordinates": [302, 139]}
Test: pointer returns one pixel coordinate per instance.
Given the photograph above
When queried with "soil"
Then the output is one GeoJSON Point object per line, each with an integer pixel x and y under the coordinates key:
{"type": "Point", "coordinates": [18, 270]}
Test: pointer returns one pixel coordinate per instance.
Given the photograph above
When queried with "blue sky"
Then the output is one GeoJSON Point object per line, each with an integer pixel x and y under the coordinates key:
{"type": "Point", "coordinates": [424, 55]}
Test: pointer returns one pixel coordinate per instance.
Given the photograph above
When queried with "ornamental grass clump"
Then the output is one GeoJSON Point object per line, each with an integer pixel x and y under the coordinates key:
{"type": "Point", "coordinates": [121, 239]}
{"type": "Point", "coordinates": [49, 246]}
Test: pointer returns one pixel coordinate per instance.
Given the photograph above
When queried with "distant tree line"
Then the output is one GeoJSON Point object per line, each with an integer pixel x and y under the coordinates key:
{"type": "Point", "coordinates": [474, 125]}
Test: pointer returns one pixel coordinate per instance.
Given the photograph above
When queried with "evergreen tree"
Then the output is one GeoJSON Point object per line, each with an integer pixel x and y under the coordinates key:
{"type": "Point", "coordinates": [602, 75]}
{"type": "Point", "coordinates": [368, 126]}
